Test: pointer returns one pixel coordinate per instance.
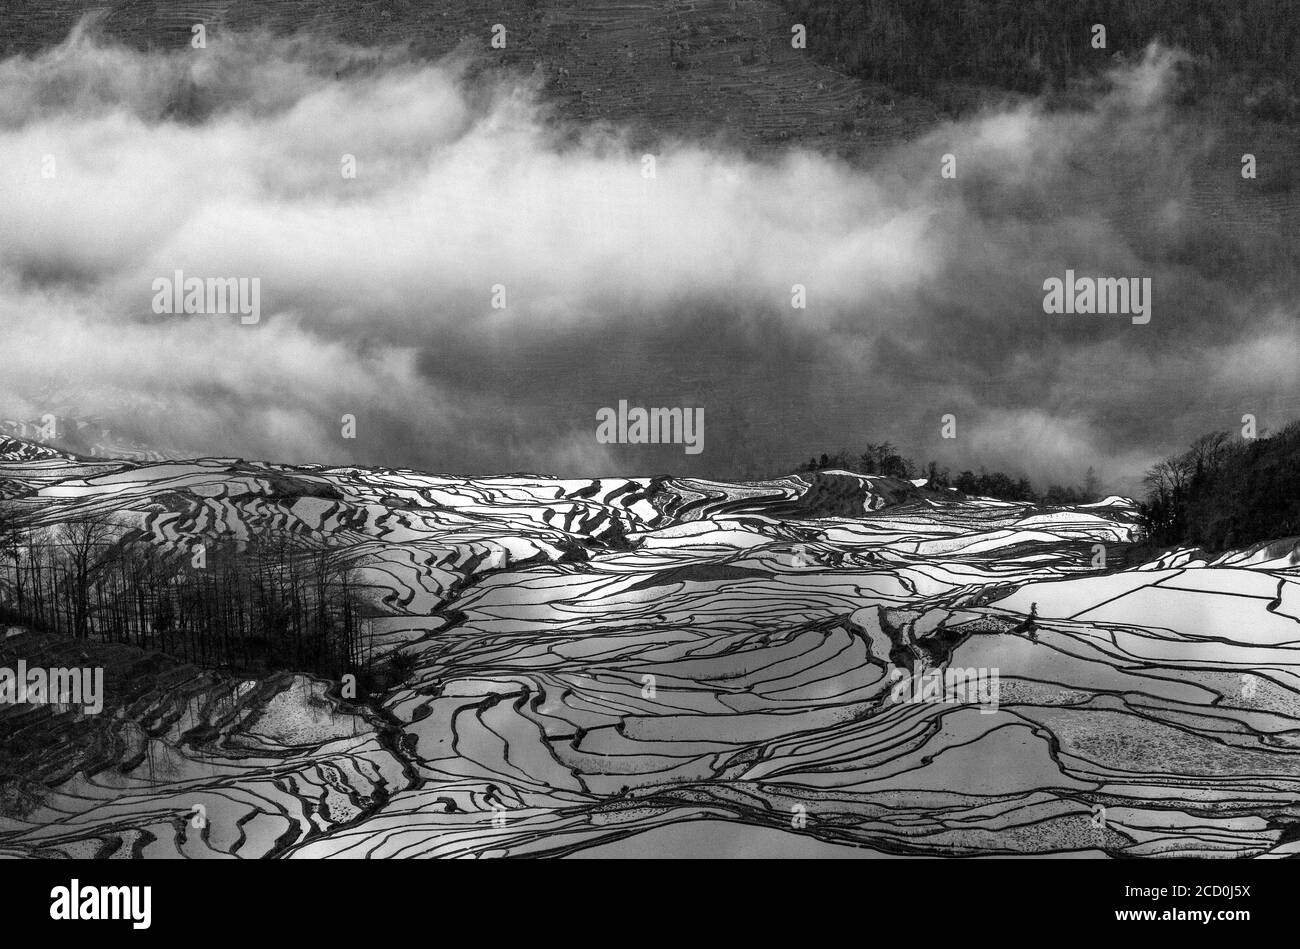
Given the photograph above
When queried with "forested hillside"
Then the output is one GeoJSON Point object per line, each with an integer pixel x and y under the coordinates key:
{"type": "Point", "coordinates": [1225, 493]}
{"type": "Point", "coordinates": [1029, 46]}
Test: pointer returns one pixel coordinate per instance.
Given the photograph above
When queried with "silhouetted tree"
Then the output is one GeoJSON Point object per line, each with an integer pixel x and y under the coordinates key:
{"type": "Point", "coordinates": [86, 546]}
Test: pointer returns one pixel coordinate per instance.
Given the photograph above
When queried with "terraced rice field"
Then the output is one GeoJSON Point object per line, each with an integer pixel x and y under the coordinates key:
{"type": "Point", "coordinates": [637, 666]}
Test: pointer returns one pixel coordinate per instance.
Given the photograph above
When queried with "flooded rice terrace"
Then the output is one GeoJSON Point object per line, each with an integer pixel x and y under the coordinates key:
{"type": "Point", "coordinates": [628, 667]}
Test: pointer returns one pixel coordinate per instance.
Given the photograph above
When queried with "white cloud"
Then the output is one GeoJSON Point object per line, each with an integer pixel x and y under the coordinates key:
{"type": "Point", "coordinates": [674, 290]}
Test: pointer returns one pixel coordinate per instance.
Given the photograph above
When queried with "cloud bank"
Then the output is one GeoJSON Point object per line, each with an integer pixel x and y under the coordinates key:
{"type": "Point", "coordinates": [924, 294]}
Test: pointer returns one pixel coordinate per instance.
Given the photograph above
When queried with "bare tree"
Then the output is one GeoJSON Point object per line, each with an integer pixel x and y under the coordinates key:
{"type": "Point", "coordinates": [86, 544]}
{"type": "Point", "coordinates": [1091, 486]}
{"type": "Point", "coordinates": [9, 573]}
{"type": "Point", "coordinates": [1207, 452]}
{"type": "Point", "coordinates": [1168, 478]}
